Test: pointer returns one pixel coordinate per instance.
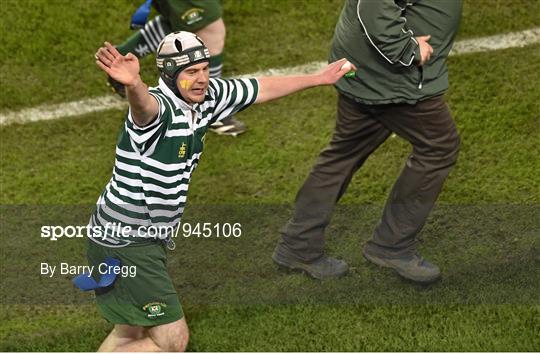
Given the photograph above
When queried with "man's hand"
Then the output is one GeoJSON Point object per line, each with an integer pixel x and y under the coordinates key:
{"type": "Point", "coordinates": [334, 71]}
{"type": "Point", "coordinates": [124, 69]}
{"type": "Point", "coordinates": [425, 49]}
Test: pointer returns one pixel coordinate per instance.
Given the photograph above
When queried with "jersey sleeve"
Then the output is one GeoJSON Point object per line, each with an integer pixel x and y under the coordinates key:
{"type": "Point", "coordinates": [143, 137]}
{"type": "Point", "coordinates": [386, 29]}
{"type": "Point", "coordinates": [232, 96]}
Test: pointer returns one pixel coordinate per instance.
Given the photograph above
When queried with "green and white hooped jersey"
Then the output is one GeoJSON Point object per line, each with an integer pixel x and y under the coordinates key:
{"type": "Point", "coordinates": [147, 193]}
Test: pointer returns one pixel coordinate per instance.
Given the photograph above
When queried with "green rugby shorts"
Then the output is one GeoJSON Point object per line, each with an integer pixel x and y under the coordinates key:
{"type": "Point", "coordinates": [189, 15]}
{"type": "Point", "coordinates": [143, 295]}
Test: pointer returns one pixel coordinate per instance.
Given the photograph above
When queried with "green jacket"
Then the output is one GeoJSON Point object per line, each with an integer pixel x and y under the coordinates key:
{"type": "Point", "coordinates": [378, 36]}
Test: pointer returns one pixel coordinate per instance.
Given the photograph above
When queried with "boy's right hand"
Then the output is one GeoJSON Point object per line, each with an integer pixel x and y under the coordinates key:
{"type": "Point", "coordinates": [124, 69]}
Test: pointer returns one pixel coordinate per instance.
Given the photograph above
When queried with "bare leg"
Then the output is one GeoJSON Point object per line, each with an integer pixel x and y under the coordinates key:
{"type": "Point", "coordinates": [213, 36]}
{"type": "Point", "coordinates": [170, 337]}
{"type": "Point", "coordinates": [145, 344]}
{"type": "Point", "coordinates": [120, 335]}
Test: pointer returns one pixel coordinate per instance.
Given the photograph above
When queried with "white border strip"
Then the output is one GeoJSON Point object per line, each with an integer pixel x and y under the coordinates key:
{"type": "Point", "coordinates": [103, 103]}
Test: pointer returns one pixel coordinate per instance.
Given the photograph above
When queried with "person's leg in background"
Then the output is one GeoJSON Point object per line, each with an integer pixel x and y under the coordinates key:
{"type": "Point", "coordinates": [430, 129]}
{"type": "Point", "coordinates": [213, 35]}
{"type": "Point", "coordinates": [146, 40]}
{"type": "Point", "coordinates": [141, 43]}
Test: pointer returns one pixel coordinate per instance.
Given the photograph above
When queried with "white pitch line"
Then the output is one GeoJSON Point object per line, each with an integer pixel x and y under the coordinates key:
{"type": "Point", "coordinates": [103, 103]}
{"type": "Point", "coordinates": [62, 110]}
{"type": "Point", "coordinates": [497, 42]}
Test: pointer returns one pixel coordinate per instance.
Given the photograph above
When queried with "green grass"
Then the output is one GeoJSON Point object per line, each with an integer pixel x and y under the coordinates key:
{"type": "Point", "coordinates": [497, 161]}
{"type": "Point", "coordinates": [484, 233]}
{"type": "Point", "coordinates": [299, 328]}
{"type": "Point", "coordinates": [49, 57]}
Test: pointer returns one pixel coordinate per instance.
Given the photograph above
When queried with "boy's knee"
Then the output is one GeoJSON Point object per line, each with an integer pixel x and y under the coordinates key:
{"type": "Point", "coordinates": [179, 344]}
{"type": "Point", "coordinates": [171, 337]}
{"type": "Point", "coordinates": [127, 332]}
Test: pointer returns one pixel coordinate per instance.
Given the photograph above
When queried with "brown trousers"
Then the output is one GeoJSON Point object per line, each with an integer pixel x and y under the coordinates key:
{"type": "Point", "coordinates": [360, 130]}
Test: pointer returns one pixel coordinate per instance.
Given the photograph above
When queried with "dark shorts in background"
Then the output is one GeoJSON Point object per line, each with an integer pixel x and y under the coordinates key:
{"type": "Point", "coordinates": [189, 15]}
{"type": "Point", "coordinates": [146, 299]}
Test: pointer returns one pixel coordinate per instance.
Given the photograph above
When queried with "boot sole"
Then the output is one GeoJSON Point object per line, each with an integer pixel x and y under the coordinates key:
{"type": "Point", "coordinates": [381, 262]}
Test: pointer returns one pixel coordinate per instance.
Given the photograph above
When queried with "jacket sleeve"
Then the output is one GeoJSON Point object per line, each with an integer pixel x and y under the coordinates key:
{"type": "Point", "coordinates": [387, 32]}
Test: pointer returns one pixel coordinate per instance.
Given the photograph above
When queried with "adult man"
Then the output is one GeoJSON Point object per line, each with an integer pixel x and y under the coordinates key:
{"type": "Point", "coordinates": [402, 82]}
{"type": "Point", "coordinates": [202, 17]}
{"type": "Point", "coordinates": [156, 154]}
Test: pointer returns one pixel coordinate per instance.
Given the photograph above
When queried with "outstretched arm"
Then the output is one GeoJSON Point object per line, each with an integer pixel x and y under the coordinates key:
{"type": "Point", "coordinates": [271, 88]}
{"type": "Point", "coordinates": [125, 69]}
